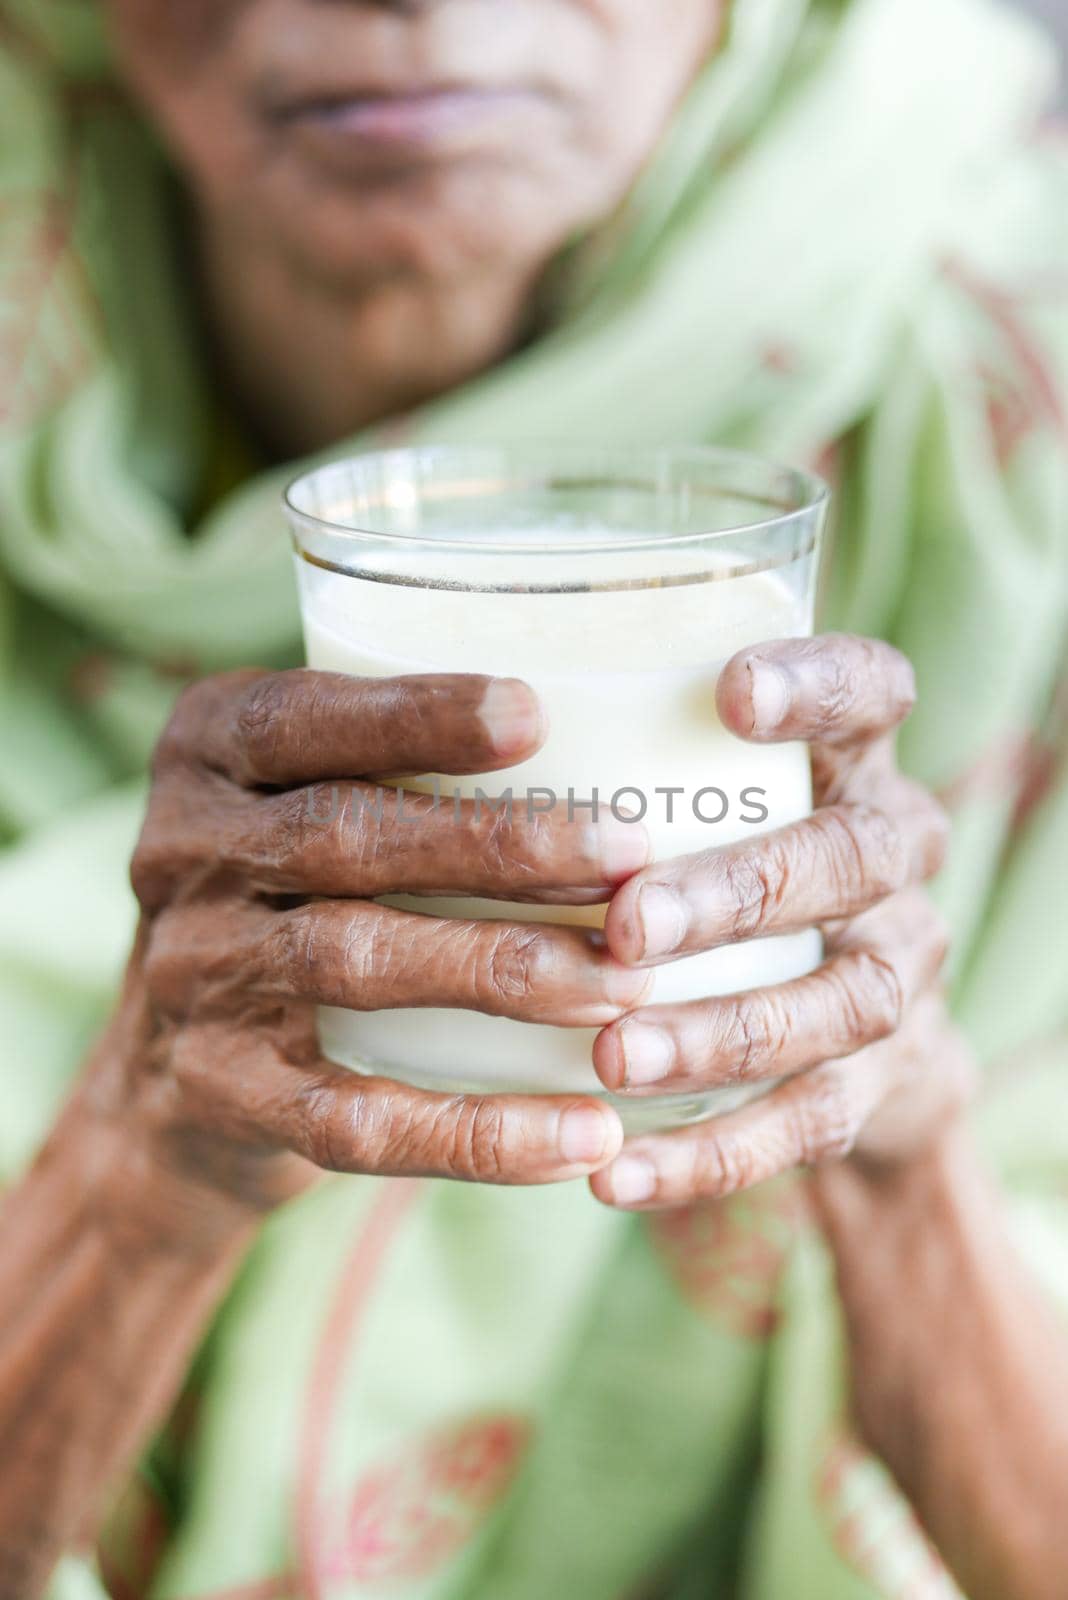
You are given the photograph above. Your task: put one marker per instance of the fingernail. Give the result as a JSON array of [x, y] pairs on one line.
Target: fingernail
[[512, 716], [585, 1136], [662, 919], [621, 847], [771, 693], [632, 1179], [648, 1053]]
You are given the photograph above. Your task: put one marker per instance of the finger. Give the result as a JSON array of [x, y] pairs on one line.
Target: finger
[[882, 962], [833, 864], [363, 839], [834, 689], [936, 1078], [804, 1122], [277, 729], [344, 1122], [368, 957]]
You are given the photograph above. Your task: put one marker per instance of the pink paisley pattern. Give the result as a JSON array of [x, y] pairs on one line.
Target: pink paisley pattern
[[337, 1346], [1010, 410], [727, 1258], [780, 357], [1045, 769], [44, 348], [1021, 767], [1033, 378], [1004, 769], [283, 1588], [828, 461], [410, 1513], [873, 1528], [49, 312]]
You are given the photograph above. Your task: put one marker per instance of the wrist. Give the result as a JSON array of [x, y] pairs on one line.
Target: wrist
[[890, 1228], [100, 1176], [942, 1160], [104, 1293], [151, 1179]]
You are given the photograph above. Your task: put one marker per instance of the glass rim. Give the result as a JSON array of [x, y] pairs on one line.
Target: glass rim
[[516, 463]]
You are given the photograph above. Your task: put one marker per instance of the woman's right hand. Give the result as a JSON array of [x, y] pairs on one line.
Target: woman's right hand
[[256, 908]]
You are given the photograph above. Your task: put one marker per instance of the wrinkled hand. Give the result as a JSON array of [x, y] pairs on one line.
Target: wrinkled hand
[[869, 1060], [256, 909]]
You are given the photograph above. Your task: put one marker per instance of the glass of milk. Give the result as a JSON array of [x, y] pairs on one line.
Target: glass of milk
[[617, 583]]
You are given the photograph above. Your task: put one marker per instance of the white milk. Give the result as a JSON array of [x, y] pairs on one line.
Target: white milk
[[627, 678]]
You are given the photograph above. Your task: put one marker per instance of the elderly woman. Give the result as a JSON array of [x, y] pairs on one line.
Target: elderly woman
[[236, 231]]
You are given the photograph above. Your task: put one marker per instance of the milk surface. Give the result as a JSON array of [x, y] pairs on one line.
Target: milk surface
[[627, 676]]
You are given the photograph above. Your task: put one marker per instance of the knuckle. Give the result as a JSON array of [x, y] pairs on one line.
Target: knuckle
[[727, 1167], [323, 1136], [257, 716], [190, 1080], [388, 1136], [879, 1005], [163, 961], [473, 1144], [296, 950], [826, 1117], [892, 675], [756, 1036], [510, 843], [290, 825], [372, 962], [836, 686], [412, 709], [178, 738], [348, 963], [149, 877], [514, 965], [305, 826], [844, 1008], [497, 842], [536, 840], [198, 706], [756, 881], [202, 959], [867, 855]]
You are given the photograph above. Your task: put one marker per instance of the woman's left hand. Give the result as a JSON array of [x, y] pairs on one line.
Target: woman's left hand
[[869, 1060]]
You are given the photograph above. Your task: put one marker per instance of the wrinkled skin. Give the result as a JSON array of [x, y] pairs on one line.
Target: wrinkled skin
[[376, 188], [245, 930], [255, 910], [233, 86], [871, 1062], [361, 249]]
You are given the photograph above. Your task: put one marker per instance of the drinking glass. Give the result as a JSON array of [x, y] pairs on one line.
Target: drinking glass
[[617, 583]]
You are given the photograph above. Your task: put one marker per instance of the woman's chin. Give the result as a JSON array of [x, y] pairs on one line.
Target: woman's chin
[[482, 211]]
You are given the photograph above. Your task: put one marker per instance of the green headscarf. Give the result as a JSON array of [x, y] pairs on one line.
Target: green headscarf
[[849, 250]]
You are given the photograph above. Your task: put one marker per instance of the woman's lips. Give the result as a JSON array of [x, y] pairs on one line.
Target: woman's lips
[[420, 124]]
